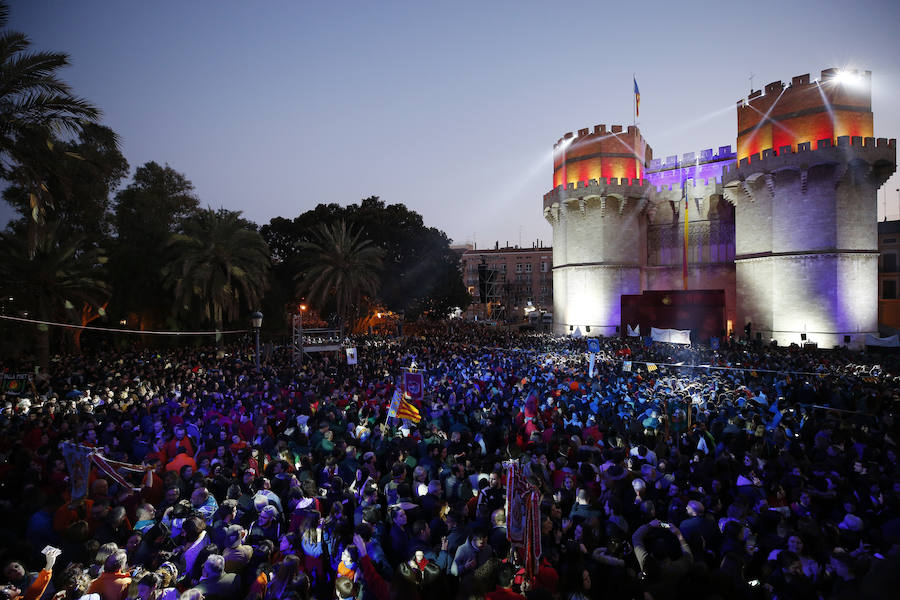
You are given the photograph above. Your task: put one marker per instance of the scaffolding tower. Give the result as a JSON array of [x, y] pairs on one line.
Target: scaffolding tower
[[319, 339], [489, 288]]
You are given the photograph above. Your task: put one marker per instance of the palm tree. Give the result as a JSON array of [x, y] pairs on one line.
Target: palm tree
[[338, 266], [53, 283], [218, 266], [34, 102]]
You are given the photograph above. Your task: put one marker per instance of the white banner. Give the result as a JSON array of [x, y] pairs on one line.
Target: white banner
[[671, 336], [633, 331], [351, 356]]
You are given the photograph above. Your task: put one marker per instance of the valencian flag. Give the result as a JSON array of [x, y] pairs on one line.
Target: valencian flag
[[637, 99], [407, 410]]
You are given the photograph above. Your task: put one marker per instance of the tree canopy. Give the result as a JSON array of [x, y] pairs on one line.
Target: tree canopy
[[217, 267], [152, 208], [420, 273], [338, 269]]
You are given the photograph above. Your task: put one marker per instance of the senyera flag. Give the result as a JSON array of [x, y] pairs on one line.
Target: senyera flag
[[637, 98], [407, 410]]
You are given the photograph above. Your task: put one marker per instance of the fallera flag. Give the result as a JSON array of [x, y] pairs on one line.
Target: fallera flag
[[414, 383]]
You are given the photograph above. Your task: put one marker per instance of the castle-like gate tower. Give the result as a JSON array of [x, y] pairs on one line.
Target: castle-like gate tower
[[804, 191], [786, 227], [596, 210]]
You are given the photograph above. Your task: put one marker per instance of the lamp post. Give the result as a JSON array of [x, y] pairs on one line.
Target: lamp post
[[300, 312], [256, 323]]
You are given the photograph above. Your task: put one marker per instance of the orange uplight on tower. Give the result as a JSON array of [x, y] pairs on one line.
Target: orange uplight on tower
[[613, 153], [839, 104]]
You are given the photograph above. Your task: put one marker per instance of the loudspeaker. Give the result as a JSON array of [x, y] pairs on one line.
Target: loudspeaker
[[758, 336], [571, 328], [617, 329], [803, 336], [846, 339], [587, 328]]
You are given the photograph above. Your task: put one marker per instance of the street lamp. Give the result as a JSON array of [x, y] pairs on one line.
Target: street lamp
[[256, 324], [302, 309]]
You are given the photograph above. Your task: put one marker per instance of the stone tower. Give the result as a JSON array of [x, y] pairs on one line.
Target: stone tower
[[804, 191], [596, 210]]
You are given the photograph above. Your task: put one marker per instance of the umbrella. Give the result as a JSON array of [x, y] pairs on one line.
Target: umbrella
[[74, 394]]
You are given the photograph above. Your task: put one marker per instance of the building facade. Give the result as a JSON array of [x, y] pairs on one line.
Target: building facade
[[508, 284], [784, 225]]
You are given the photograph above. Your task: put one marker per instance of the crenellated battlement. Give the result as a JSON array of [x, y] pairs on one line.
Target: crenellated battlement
[[875, 148], [691, 158], [604, 186], [831, 75], [598, 130]]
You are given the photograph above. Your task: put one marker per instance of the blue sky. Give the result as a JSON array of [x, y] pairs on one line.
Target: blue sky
[[452, 108]]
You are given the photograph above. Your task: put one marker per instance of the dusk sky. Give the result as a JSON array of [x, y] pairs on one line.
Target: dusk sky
[[451, 108]]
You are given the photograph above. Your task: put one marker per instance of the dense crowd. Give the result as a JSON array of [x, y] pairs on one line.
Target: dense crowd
[[672, 472]]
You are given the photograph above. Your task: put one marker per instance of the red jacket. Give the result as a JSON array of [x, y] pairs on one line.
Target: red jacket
[[111, 586], [503, 594]]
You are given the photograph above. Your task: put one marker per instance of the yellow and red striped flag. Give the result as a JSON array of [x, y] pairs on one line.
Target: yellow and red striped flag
[[407, 410]]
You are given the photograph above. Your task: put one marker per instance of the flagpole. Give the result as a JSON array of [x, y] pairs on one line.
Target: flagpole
[[684, 251], [684, 268], [633, 103]]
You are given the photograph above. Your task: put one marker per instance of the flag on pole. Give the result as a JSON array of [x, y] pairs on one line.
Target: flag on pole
[[395, 404], [684, 251], [414, 384], [407, 410], [637, 99]]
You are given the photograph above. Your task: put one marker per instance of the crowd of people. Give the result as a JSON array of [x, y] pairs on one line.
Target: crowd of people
[[667, 472]]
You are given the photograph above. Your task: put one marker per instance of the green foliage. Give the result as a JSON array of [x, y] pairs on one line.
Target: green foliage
[[76, 176], [53, 282], [217, 267], [420, 274], [148, 211], [35, 104], [338, 268]]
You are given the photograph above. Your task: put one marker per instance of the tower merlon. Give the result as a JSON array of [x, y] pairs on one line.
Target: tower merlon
[[776, 87]]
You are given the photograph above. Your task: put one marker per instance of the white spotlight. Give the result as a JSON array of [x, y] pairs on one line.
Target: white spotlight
[[848, 77]]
